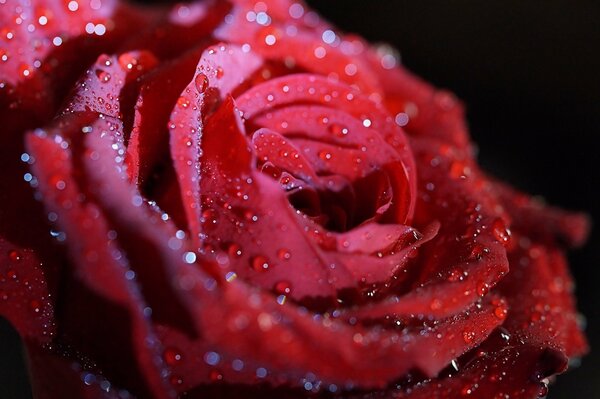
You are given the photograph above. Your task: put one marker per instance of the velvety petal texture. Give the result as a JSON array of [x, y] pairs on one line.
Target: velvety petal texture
[[234, 199]]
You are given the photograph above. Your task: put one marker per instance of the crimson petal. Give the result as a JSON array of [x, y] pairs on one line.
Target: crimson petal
[[100, 277], [186, 124]]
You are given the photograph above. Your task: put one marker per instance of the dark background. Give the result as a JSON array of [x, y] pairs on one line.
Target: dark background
[[529, 75]]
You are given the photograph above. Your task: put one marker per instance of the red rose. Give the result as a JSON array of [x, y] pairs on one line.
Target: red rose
[[244, 202]]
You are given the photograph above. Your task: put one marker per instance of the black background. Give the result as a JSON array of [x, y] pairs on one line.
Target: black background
[[529, 75]]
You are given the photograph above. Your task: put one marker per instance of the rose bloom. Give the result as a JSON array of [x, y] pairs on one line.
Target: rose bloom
[[232, 199]]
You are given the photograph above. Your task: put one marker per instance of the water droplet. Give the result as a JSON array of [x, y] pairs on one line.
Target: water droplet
[[183, 102], [338, 130], [456, 275], [283, 288], [14, 255], [320, 52], [73, 6], [401, 119], [435, 304], [250, 216], [103, 76], [296, 11], [468, 389], [201, 82], [127, 61], [284, 254], [478, 251], [220, 72], [500, 231], [175, 380], [261, 372], [483, 288], [212, 358], [454, 365], [259, 263], [325, 155], [25, 70], [500, 312], [171, 356], [35, 305], [468, 336], [459, 170], [215, 375]]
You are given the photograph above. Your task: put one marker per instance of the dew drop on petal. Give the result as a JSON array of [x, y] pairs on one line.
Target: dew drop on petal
[[103, 76], [270, 39], [468, 389], [175, 380], [543, 389], [325, 155], [459, 170], [14, 255], [401, 119], [35, 305], [482, 288], [183, 102], [73, 6], [259, 263], [25, 70], [215, 375], [284, 254], [212, 358], [500, 231], [456, 275], [338, 130], [127, 61], [283, 287], [468, 336], [501, 311], [234, 250], [478, 251], [435, 304], [201, 82], [171, 356]]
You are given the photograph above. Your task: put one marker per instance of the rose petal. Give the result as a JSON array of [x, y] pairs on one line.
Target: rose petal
[[540, 292], [238, 201], [48, 367], [255, 327], [186, 124], [24, 24], [24, 294], [178, 28], [317, 90], [415, 104], [110, 83], [542, 222], [99, 278], [159, 91], [141, 234], [467, 257], [312, 46]]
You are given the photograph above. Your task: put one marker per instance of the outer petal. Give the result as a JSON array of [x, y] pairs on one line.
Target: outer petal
[[100, 278]]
